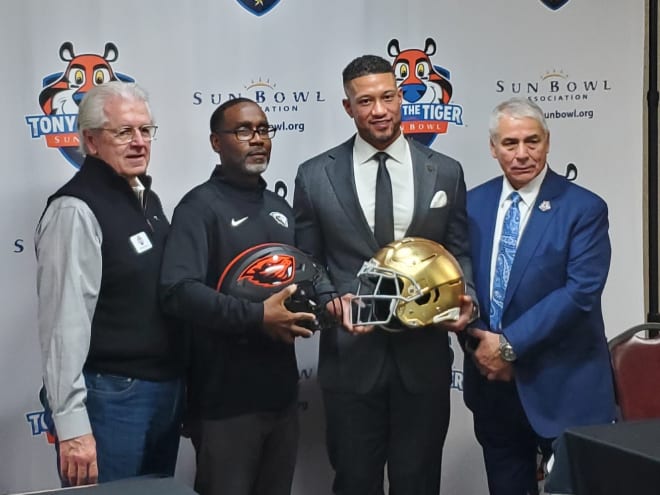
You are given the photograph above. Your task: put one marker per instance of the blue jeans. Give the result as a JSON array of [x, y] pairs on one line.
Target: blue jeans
[[136, 425]]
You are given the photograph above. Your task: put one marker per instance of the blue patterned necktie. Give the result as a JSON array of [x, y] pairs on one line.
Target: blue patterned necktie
[[505, 254]]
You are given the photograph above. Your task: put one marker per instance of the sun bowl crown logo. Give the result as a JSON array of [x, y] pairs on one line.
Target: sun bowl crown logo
[[258, 7], [426, 111], [62, 93]]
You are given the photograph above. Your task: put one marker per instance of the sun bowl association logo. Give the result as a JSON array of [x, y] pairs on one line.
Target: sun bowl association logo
[[561, 96], [283, 107], [426, 110], [62, 93], [258, 7]]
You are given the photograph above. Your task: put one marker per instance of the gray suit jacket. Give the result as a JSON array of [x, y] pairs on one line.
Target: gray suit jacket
[[331, 226]]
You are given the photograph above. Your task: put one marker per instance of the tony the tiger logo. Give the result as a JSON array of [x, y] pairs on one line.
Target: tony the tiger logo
[[270, 271], [38, 425], [62, 93], [426, 110]]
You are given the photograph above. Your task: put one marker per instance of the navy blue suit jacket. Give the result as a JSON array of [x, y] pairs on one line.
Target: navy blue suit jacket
[[552, 309]]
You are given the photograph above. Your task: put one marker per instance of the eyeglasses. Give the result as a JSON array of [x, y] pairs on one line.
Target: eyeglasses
[[246, 134], [126, 134]]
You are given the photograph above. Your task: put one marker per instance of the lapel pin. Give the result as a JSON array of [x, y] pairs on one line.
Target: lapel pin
[[545, 206]]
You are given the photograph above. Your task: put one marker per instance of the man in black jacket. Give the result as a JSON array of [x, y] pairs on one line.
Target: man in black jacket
[[242, 386], [112, 386]]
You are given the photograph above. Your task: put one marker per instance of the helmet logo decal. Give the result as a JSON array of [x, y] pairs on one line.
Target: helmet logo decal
[[270, 271]]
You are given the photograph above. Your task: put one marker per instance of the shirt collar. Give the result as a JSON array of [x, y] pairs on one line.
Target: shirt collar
[[528, 192], [137, 185], [364, 152]]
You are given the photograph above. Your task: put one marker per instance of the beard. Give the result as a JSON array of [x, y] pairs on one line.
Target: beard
[[255, 168]]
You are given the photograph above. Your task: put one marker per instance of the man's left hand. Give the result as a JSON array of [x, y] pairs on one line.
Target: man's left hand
[[487, 356], [340, 307], [464, 317]]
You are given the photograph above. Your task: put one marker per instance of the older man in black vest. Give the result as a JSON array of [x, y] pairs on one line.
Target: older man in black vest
[[112, 387]]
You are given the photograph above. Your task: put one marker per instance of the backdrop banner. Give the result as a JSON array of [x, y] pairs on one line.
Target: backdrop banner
[[581, 61]]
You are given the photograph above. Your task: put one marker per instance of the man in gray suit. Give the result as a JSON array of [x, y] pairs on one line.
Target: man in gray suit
[[386, 395]]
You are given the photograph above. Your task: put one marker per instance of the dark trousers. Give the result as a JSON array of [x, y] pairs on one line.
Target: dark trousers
[[510, 445], [250, 454], [386, 425]]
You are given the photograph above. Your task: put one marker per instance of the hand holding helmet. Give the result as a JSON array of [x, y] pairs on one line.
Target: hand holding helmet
[[280, 323], [285, 279], [340, 308]]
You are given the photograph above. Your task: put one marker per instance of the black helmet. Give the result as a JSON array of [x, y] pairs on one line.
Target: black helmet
[[260, 271]]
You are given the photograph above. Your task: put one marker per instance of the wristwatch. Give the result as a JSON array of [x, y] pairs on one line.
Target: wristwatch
[[506, 351]]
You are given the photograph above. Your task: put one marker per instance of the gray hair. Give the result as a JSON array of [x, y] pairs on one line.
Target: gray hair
[[91, 113], [517, 108]]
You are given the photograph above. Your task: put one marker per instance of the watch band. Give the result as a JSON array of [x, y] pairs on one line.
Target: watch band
[[506, 350]]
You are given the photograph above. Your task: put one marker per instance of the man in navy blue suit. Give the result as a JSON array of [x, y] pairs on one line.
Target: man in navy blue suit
[[537, 360]]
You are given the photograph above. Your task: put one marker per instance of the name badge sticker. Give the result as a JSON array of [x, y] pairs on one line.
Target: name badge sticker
[[140, 242]]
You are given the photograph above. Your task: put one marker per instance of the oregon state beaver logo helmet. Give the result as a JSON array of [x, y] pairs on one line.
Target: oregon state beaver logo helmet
[[409, 283], [259, 272]]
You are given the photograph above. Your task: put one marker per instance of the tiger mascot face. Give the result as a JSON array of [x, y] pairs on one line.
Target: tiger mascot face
[[421, 83], [63, 91], [419, 80]]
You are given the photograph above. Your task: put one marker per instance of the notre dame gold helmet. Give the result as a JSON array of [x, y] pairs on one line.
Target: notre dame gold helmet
[[409, 283]]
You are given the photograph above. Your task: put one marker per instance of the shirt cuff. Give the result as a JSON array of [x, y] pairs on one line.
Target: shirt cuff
[[72, 425]]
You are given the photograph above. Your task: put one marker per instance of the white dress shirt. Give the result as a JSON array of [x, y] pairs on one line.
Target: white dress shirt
[[399, 166]]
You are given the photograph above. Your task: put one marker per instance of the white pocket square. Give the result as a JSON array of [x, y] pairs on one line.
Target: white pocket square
[[439, 200]]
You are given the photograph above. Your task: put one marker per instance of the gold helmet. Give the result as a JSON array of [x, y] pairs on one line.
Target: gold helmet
[[409, 283]]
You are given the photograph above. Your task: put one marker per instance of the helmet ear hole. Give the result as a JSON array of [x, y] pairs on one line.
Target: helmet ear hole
[[422, 300]]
